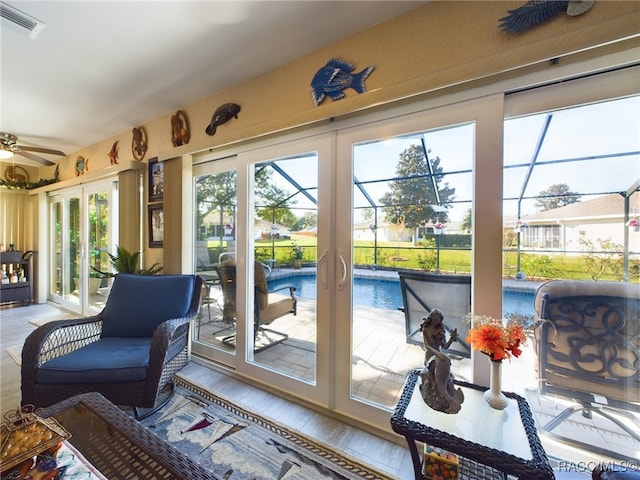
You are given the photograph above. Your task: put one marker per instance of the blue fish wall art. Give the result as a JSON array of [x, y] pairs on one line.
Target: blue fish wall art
[[223, 114], [336, 76]]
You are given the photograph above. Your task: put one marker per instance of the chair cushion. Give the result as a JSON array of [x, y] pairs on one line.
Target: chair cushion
[[137, 304], [276, 309], [262, 289], [108, 360]]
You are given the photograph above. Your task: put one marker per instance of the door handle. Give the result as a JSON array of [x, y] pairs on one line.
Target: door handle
[[342, 281], [322, 272]]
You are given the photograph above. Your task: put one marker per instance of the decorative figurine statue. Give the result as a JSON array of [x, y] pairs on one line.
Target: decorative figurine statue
[[438, 389]]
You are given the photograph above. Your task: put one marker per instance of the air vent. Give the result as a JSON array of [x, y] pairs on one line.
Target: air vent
[[19, 21]]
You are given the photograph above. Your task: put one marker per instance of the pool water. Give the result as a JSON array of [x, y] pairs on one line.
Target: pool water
[[386, 293]]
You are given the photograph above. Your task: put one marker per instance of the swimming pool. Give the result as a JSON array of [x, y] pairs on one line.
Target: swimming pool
[[386, 293]]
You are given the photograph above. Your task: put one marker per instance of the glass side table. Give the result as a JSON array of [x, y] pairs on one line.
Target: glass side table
[[491, 443]]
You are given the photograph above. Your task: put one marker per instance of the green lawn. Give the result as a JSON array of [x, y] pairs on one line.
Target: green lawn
[[403, 255]]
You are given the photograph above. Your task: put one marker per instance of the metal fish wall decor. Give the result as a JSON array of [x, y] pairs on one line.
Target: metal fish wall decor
[[535, 12], [336, 76]]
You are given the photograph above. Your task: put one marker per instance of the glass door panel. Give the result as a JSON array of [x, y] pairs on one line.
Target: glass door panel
[[215, 244], [65, 258], [56, 271], [283, 334], [411, 194], [99, 246], [261, 228], [413, 191], [82, 233]]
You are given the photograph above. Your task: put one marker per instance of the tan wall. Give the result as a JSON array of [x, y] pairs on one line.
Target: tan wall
[[421, 51], [435, 46]]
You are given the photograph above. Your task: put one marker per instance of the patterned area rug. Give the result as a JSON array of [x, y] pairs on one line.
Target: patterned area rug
[[237, 444]]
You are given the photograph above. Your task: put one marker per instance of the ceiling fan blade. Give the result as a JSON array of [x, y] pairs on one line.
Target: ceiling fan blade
[[41, 150], [35, 158]]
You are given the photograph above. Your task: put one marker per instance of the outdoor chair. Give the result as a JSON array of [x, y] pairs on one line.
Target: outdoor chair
[[128, 352], [451, 294], [267, 307], [203, 261], [587, 343]]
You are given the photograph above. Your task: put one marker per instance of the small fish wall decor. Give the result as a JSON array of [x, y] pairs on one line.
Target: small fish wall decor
[[534, 12], [82, 165], [223, 114], [336, 76], [113, 154], [139, 143], [180, 134]]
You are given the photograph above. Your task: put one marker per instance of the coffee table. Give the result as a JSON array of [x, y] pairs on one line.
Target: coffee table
[[491, 443], [117, 445]]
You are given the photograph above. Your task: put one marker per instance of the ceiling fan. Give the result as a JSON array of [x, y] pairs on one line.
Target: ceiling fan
[[8, 148]]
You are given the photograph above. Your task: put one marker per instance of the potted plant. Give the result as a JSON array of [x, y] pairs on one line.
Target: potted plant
[[126, 262], [296, 254]]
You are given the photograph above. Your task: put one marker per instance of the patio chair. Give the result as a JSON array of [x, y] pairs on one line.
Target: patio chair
[[451, 294], [203, 261], [128, 352], [587, 343], [266, 307]]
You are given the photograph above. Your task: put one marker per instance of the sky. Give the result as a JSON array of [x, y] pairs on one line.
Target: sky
[[576, 137]]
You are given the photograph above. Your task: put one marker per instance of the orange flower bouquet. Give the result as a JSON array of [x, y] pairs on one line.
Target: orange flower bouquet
[[497, 339]]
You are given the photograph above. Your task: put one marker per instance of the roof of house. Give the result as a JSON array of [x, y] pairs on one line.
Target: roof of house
[[606, 206]]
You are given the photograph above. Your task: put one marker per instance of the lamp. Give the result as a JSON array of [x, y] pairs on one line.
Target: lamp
[[5, 154]]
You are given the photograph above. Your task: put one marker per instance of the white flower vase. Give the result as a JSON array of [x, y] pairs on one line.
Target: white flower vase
[[494, 396]]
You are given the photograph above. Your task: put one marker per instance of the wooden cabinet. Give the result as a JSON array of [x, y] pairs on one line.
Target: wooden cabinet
[[15, 274]]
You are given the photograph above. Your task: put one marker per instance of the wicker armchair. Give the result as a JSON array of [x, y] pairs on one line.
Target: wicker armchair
[[587, 343], [128, 352]]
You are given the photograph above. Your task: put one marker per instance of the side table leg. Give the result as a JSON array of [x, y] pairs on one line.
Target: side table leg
[[415, 457]]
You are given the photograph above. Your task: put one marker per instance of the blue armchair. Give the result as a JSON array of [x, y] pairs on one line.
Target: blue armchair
[[128, 352]]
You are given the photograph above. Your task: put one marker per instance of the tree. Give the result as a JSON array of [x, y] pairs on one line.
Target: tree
[[217, 192], [556, 196], [412, 195], [466, 221]]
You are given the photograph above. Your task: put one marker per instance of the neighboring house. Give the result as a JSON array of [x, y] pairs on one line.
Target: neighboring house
[[597, 220], [265, 230]]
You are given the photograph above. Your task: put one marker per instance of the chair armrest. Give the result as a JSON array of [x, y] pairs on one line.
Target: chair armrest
[[168, 339], [52, 340], [291, 289], [59, 337]]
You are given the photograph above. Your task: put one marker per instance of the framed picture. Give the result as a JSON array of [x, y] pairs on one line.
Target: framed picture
[[156, 180], [156, 226]]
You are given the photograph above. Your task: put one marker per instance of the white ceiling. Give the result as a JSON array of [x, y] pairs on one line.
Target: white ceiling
[[99, 68]]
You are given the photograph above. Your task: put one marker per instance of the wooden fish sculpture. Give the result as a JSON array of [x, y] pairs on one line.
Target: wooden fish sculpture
[[139, 143], [113, 154], [223, 114], [179, 129], [336, 76]]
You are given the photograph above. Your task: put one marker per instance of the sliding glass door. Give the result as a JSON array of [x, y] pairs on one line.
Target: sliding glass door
[[329, 221], [82, 233], [262, 240], [409, 183]]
